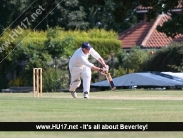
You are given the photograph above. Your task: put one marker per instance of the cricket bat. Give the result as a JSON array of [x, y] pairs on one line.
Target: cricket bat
[[110, 81]]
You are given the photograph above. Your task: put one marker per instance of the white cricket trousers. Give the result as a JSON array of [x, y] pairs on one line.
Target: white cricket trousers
[[76, 74]]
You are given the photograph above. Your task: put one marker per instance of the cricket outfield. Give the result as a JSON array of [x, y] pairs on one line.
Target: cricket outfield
[[107, 106]]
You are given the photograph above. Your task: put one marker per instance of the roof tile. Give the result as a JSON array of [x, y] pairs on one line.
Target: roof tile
[[145, 34]]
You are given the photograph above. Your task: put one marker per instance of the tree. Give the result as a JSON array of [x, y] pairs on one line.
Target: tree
[[40, 14], [122, 10], [70, 15], [83, 14], [101, 14], [171, 28], [5, 12], [132, 61], [56, 46], [166, 59]]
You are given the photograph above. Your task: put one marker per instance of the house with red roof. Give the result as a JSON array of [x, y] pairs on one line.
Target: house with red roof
[[145, 35]]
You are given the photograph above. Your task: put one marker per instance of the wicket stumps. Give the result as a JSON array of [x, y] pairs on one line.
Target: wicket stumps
[[37, 82]]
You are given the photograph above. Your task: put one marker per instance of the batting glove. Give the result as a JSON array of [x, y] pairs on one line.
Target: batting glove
[[102, 71], [106, 69]]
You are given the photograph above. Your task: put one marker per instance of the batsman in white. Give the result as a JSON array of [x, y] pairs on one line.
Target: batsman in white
[[79, 66]]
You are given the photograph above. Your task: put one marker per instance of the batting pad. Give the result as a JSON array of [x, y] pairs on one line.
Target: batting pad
[[74, 85]]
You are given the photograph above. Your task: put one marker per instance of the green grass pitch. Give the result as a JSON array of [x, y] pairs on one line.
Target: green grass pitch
[[107, 106]]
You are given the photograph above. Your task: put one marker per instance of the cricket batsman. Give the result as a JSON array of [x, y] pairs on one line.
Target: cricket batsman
[[79, 66]]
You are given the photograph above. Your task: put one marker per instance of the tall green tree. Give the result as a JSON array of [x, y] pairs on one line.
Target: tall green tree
[[101, 14], [7, 15], [39, 14], [171, 27], [84, 14], [122, 10]]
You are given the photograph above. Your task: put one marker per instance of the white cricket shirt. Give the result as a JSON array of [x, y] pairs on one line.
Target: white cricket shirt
[[79, 58]]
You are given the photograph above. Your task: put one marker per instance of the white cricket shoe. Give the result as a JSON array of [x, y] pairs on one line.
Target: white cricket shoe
[[74, 94], [85, 94]]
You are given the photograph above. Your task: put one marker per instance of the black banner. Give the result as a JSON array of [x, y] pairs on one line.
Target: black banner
[[91, 126]]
